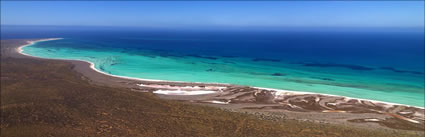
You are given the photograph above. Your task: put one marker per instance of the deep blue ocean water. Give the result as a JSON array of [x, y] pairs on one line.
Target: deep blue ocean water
[[379, 64]]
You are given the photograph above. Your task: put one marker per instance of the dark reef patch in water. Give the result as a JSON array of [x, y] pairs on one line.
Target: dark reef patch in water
[[114, 64], [278, 74], [150, 56], [204, 57], [326, 65], [263, 59], [400, 71], [209, 70], [165, 55], [327, 79]]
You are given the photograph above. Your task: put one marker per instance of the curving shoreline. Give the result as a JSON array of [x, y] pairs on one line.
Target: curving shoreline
[[20, 51], [272, 103], [92, 66]]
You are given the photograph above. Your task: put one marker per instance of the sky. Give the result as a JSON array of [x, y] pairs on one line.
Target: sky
[[215, 13]]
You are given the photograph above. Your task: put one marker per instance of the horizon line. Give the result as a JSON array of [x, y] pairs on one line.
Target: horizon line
[[211, 26]]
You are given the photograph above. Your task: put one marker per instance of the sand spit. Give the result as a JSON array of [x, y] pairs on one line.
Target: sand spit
[[31, 42]]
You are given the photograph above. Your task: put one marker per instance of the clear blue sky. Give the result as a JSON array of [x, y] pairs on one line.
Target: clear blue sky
[[216, 13]]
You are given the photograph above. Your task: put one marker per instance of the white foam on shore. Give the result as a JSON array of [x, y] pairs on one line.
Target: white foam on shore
[[92, 66], [184, 92]]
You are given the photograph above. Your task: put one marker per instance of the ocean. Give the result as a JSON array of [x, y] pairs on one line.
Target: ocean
[[378, 64]]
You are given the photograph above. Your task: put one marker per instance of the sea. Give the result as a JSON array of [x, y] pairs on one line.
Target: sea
[[383, 64]]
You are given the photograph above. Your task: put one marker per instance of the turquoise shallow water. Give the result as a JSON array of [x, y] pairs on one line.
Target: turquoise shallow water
[[378, 84]]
